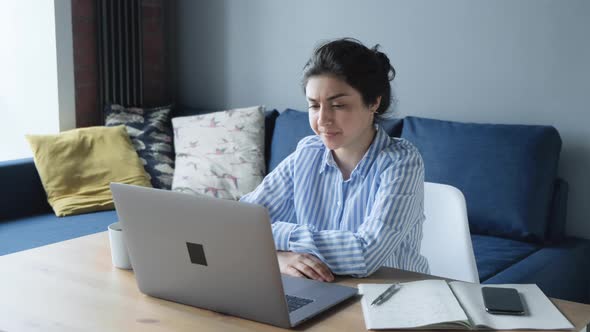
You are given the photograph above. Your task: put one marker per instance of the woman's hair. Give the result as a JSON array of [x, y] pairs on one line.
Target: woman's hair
[[366, 70]]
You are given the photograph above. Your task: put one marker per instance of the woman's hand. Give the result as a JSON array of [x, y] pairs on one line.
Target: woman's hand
[[303, 265]]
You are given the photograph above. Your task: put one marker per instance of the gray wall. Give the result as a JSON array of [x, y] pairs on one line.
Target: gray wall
[[504, 61]]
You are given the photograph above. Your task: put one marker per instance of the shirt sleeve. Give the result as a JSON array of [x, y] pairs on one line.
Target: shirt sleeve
[[276, 194], [397, 209]]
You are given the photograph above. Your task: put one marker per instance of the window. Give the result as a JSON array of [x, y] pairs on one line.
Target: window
[[36, 85]]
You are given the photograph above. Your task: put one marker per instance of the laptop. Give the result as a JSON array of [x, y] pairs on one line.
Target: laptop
[[215, 254]]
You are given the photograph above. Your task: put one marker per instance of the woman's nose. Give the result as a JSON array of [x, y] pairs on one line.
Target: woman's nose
[[324, 117]]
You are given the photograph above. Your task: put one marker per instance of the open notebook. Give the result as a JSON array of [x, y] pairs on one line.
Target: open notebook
[[438, 304]]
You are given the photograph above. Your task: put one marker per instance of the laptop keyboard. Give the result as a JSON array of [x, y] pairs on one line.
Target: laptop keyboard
[[295, 302]]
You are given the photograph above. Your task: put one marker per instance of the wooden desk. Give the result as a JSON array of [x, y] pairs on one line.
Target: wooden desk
[[72, 285]]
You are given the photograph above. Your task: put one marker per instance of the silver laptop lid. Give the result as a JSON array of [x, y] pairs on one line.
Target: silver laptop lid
[[178, 254]]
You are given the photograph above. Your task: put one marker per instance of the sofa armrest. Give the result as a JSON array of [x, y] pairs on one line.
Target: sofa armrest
[[558, 214], [561, 271], [21, 192]]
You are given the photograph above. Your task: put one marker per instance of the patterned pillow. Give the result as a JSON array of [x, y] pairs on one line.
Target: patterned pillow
[[151, 134], [219, 154]]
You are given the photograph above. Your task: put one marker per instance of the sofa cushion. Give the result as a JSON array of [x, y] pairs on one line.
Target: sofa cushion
[[26, 233], [393, 127], [494, 254], [270, 118], [506, 172], [76, 167], [150, 131], [292, 125], [220, 154]]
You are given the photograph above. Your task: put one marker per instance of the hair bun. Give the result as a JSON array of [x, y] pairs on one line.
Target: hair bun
[[384, 61]]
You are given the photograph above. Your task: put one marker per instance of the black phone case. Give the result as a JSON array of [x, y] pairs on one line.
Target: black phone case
[[502, 301]]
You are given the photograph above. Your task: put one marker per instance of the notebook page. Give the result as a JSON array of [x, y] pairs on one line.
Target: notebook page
[[540, 313], [415, 304]]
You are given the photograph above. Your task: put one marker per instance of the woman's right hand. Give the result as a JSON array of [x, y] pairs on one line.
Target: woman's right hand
[[303, 265]]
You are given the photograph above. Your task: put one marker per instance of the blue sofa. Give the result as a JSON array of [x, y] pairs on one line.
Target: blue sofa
[[516, 203]]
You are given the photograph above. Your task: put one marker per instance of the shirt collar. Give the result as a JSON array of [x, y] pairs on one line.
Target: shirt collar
[[327, 160], [379, 142]]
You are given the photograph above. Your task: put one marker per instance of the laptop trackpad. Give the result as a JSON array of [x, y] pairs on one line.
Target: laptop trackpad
[[322, 294], [301, 287]]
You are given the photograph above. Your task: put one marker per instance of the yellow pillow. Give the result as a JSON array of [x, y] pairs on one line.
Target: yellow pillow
[[76, 167]]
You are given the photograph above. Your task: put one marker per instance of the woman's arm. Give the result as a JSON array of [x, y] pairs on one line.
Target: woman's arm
[[397, 209], [276, 194]]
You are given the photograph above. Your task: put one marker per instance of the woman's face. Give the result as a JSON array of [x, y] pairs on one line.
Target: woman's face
[[338, 114]]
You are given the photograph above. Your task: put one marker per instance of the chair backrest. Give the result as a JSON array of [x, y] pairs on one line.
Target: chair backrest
[[446, 241]]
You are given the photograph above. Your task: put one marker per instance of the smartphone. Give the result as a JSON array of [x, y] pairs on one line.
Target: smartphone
[[502, 301]]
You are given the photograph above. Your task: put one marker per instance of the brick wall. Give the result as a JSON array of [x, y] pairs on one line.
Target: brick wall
[[155, 87], [155, 71], [84, 31]]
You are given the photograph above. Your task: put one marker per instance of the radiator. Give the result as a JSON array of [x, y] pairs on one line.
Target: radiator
[[120, 52]]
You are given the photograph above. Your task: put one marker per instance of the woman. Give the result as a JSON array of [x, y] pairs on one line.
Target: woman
[[350, 198]]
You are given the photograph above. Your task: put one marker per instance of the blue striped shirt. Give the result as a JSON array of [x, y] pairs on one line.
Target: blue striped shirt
[[373, 219]]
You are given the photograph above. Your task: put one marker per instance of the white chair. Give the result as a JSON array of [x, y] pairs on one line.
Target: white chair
[[446, 241]]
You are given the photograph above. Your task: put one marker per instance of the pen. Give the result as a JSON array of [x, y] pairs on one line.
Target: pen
[[386, 294]]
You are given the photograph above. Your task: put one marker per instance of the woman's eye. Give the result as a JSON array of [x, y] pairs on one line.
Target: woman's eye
[[337, 106], [313, 107]]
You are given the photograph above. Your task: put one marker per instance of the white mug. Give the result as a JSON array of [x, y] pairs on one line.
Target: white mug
[[119, 252]]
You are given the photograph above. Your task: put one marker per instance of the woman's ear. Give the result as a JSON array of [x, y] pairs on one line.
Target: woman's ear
[[374, 107]]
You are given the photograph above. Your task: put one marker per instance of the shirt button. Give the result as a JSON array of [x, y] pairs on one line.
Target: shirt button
[[338, 203]]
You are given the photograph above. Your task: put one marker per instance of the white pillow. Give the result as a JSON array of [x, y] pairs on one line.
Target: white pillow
[[219, 154]]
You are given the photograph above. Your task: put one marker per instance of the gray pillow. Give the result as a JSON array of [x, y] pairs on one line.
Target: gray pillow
[[150, 131]]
